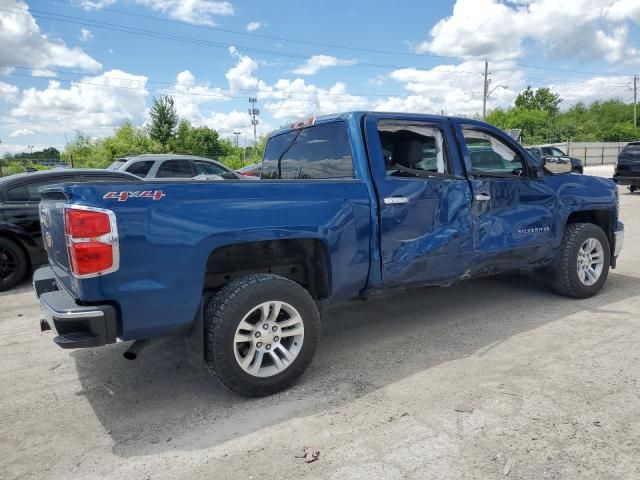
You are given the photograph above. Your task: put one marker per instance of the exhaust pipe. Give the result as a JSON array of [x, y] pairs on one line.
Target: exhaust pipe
[[134, 349]]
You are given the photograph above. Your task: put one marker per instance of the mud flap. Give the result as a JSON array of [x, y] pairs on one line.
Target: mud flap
[[195, 340]]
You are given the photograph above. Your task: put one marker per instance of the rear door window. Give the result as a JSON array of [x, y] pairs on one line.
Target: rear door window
[[318, 152], [412, 149], [141, 169], [29, 192], [207, 168], [175, 169]]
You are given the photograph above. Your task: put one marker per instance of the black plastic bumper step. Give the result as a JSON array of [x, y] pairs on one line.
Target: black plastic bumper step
[[78, 340]]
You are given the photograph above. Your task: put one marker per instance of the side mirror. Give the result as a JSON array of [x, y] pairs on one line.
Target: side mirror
[[557, 165], [538, 171], [228, 176]]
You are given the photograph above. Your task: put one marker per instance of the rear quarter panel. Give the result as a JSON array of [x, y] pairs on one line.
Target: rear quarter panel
[[165, 243]]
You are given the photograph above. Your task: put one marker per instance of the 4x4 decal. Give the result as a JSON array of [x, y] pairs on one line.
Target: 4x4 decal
[[124, 196]]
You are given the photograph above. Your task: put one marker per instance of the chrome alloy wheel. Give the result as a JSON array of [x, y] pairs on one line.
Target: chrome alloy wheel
[[268, 339], [590, 261]]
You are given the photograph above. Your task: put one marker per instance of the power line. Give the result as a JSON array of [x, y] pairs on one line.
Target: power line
[[174, 84], [260, 35], [331, 45], [179, 38], [223, 92], [155, 34]]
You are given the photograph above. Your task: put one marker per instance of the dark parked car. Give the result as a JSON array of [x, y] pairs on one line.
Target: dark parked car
[[169, 166], [628, 166], [551, 155], [21, 244]]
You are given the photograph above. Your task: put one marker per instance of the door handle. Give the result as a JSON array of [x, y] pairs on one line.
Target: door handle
[[395, 200], [482, 197]]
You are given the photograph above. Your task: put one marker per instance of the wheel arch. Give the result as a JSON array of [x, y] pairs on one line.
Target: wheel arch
[[303, 260], [605, 219]]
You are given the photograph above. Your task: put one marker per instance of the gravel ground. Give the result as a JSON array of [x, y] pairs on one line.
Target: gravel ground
[[553, 385]]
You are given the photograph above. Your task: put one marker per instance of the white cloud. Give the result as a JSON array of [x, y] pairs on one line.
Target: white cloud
[[227, 123], [39, 72], [577, 29], [623, 9], [199, 12], [22, 43], [294, 99], [21, 132], [377, 80], [91, 104], [241, 76], [597, 88], [85, 35], [189, 95], [8, 92], [96, 4], [317, 62], [454, 89], [289, 99], [253, 26]]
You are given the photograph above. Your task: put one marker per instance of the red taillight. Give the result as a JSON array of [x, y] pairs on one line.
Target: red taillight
[[91, 240], [90, 257], [86, 223]]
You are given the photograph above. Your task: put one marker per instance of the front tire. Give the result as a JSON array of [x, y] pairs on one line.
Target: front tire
[[13, 264], [581, 264], [262, 331]]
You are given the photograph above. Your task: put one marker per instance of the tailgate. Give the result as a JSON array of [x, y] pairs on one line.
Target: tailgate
[[53, 237]]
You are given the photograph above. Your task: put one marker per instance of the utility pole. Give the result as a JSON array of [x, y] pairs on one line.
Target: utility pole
[[237, 134], [635, 101], [485, 93], [253, 113]]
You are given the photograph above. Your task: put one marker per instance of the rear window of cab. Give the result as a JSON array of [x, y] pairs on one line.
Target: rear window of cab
[[319, 152]]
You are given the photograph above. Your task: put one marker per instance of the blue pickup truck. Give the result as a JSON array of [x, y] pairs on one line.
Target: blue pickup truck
[[347, 206]]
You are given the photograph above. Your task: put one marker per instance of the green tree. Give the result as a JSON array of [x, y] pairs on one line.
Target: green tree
[[164, 120], [540, 99], [201, 141], [533, 123]]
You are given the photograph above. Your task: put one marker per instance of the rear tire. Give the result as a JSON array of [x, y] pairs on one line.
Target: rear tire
[[581, 264], [632, 188], [262, 331], [13, 264]]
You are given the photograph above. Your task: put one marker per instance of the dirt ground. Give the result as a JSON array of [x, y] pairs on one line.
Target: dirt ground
[[553, 384]]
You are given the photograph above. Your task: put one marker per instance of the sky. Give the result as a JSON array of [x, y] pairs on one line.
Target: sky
[[90, 65]]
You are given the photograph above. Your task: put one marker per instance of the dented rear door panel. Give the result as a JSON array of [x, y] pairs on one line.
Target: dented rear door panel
[[428, 239]]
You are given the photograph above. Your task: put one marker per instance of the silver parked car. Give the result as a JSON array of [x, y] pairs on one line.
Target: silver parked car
[[171, 166]]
